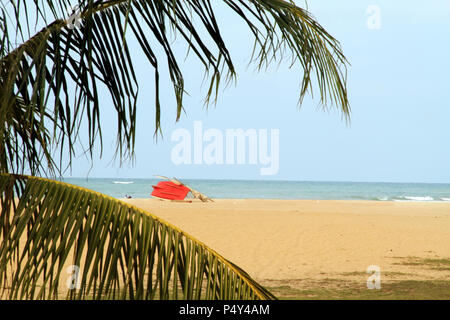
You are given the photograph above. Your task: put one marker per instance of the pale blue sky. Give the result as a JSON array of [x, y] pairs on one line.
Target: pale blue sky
[[399, 92]]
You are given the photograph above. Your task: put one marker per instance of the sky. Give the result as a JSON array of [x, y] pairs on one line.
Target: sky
[[398, 88]]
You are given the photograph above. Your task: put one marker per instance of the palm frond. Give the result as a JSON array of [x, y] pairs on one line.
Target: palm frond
[[57, 73], [122, 252]]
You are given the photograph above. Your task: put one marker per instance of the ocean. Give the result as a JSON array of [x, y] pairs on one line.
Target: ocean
[[240, 189]]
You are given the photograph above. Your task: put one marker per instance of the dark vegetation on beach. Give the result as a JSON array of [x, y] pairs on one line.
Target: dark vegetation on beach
[[394, 285], [334, 289]]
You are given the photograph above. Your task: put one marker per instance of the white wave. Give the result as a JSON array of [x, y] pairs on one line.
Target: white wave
[[419, 198], [445, 199], [123, 182], [383, 198]]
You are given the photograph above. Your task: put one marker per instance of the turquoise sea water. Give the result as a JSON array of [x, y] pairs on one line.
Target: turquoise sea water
[[226, 189]]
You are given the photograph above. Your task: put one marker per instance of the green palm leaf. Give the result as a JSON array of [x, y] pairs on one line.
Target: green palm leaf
[[51, 80], [122, 251]]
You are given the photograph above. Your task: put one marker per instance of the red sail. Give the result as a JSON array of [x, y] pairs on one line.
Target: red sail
[[169, 190]]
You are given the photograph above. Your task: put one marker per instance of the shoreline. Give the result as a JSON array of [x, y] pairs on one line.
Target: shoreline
[[293, 199]]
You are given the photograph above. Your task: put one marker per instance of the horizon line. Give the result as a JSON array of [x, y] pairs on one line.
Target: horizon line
[[258, 180]]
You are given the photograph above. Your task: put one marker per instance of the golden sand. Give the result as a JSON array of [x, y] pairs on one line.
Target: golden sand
[[310, 239]]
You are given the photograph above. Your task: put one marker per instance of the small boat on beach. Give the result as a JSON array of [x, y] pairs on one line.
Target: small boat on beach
[[175, 190]]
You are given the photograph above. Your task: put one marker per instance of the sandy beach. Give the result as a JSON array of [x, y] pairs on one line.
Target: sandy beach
[[298, 240]]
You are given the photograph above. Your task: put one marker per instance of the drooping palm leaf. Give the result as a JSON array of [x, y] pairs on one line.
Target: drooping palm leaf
[[122, 251], [55, 75]]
